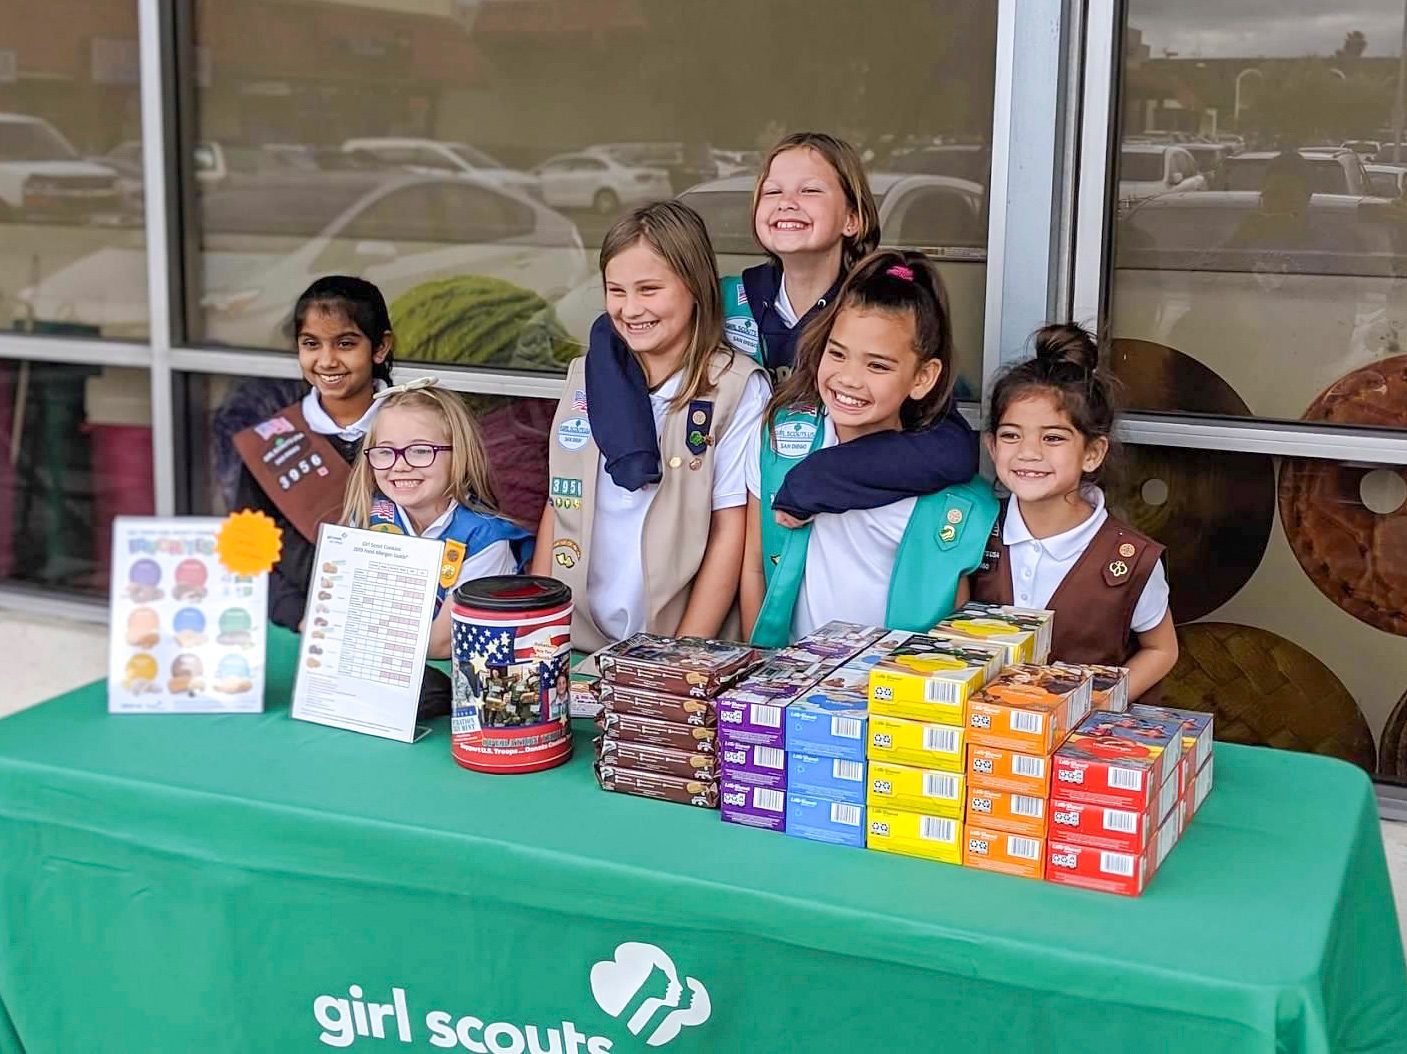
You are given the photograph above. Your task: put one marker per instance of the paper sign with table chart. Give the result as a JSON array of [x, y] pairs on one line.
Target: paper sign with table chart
[[371, 600]]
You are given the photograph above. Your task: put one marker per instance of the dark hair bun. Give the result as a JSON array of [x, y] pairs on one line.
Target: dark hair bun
[[1065, 342]]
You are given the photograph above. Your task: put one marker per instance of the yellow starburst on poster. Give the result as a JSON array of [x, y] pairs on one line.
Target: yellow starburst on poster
[[249, 543]]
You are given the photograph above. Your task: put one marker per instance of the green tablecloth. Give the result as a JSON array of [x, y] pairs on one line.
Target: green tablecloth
[[198, 883]]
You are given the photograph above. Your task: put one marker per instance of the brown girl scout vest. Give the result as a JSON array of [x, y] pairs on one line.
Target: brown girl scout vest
[[300, 470], [1095, 601], [678, 519]]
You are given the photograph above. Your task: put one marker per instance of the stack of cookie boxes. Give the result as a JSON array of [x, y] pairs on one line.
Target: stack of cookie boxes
[[753, 725], [658, 720], [1125, 787], [915, 788]]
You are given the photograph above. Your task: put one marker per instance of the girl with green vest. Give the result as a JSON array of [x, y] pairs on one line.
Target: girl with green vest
[[645, 518], [878, 360]]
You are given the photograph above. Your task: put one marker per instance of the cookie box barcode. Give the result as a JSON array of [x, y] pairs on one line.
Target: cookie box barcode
[[917, 743], [1008, 811], [752, 806], [1008, 770], [1070, 864], [754, 764], [828, 725], [988, 849], [1099, 826], [821, 819], [908, 787], [839, 779], [914, 834]]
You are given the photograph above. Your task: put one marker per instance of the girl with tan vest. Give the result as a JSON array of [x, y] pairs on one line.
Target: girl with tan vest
[[1056, 545], [645, 515]]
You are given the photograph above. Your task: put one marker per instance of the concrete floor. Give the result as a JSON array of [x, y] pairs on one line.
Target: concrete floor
[[62, 654]]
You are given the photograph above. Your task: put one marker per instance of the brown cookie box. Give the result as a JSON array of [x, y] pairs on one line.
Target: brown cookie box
[[693, 739], [642, 757], [702, 793], [682, 666], [680, 710]]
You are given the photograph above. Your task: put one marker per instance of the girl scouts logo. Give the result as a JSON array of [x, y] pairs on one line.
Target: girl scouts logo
[[793, 439], [574, 433], [741, 332]]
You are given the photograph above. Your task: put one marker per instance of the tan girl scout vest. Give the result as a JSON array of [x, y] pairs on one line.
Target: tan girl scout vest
[[678, 519]]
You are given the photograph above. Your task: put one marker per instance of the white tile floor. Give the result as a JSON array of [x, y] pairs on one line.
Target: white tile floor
[[62, 654]]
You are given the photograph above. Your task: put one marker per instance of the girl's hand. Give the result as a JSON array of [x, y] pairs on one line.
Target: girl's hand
[[789, 521]]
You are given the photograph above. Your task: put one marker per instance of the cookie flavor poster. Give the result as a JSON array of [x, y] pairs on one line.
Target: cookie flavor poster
[[186, 636]]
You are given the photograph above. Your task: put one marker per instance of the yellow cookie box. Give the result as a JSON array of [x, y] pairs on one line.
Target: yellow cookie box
[[1020, 644], [928, 746], [928, 791], [931, 678], [914, 834]]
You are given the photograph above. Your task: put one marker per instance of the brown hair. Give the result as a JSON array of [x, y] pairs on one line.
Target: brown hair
[[471, 479], [678, 235], [893, 281], [1065, 368], [850, 171]]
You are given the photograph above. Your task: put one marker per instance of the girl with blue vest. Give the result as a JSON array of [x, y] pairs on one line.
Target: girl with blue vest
[[877, 362], [424, 472], [814, 216]]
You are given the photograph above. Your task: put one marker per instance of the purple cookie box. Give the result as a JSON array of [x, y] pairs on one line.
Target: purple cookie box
[[739, 764], [741, 804]]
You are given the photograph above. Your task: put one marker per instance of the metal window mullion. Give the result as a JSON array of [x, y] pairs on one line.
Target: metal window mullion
[[1096, 131], [156, 78], [76, 352]]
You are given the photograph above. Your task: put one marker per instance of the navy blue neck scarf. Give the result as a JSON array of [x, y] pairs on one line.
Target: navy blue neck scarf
[[618, 407]]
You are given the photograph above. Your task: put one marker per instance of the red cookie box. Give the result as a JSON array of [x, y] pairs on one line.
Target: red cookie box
[[1107, 871], [1106, 827], [1196, 729], [1198, 788], [1117, 760]]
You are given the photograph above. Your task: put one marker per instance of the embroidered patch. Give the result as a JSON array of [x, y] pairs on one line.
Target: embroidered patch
[[1118, 569], [387, 528], [574, 433], [451, 562], [742, 334], [793, 439], [579, 401], [948, 533], [566, 492], [700, 425], [272, 427], [565, 552]]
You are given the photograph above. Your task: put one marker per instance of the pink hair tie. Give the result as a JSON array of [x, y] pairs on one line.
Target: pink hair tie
[[900, 271]]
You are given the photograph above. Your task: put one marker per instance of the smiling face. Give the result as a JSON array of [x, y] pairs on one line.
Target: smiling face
[[423, 493], [650, 307], [1039, 453], [336, 358], [869, 368], [801, 207]]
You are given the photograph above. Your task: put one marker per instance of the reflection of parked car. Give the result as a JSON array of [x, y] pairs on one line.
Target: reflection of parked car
[[1147, 170], [1328, 170], [1301, 291], [685, 163], [1362, 147], [432, 157], [1387, 181], [266, 240], [599, 181], [1209, 157], [963, 160], [43, 178]]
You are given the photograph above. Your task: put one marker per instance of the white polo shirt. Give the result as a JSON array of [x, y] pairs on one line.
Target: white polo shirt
[[849, 559], [321, 422], [615, 577], [1039, 565], [494, 559]]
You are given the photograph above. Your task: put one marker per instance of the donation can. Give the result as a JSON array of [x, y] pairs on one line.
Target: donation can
[[511, 653]]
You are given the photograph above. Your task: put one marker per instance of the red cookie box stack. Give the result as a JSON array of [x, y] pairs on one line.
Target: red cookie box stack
[[658, 721], [1117, 803]]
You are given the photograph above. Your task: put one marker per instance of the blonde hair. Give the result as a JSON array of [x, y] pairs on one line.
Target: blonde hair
[[850, 171], [678, 235], [471, 479]]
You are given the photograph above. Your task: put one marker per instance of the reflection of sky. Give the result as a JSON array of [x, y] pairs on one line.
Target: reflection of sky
[[1241, 28]]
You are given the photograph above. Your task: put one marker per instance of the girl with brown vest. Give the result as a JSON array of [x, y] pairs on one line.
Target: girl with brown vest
[[1055, 545], [646, 524]]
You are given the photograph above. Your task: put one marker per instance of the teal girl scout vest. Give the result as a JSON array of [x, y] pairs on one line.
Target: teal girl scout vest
[[944, 540]]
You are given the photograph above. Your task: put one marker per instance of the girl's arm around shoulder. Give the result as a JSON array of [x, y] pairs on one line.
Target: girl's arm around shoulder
[[1155, 658], [716, 585]]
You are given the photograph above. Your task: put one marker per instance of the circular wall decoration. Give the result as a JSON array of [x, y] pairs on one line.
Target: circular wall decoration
[[1347, 524], [1392, 752], [1266, 691], [1212, 509]]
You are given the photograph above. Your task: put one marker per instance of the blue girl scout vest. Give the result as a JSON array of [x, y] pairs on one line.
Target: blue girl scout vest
[[467, 533], [943, 541]]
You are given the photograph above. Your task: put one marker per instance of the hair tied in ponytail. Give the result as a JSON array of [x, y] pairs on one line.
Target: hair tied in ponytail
[[1066, 344]]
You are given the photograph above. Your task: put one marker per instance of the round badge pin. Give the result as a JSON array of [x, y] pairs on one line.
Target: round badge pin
[[695, 464], [699, 417], [1126, 550], [675, 461], [955, 516]]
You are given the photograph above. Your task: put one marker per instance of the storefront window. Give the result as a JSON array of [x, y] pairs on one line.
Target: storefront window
[[1260, 231], [467, 157], [75, 451], [72, 242]]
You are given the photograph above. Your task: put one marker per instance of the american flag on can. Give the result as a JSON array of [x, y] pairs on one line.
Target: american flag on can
[[504, 646], [579, 401]]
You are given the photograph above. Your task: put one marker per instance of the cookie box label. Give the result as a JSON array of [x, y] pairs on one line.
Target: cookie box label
[[680, 666], [1004, 852], [1019, 645], [752, 806], [681, 710], [1099, 826], [1196, 729], [1101, 870], [1007, 810], [700, 793], [930, 678], [751, 763], [1011, 770], [917, 743], [1118, 760], [914, 834], [828, 725], [1110, 685], [1039, 622], [836, 640], [690, 738], [833, 778], [921, 790], [821, 819], [642, 757]]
